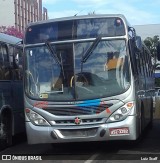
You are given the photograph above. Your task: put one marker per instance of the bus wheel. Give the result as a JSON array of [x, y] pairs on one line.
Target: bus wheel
[[5, 133]]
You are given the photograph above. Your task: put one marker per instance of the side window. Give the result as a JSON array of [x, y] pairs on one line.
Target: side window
[[20, 53], [1, 63], [137, 55], [17, 71], [149, 65], [146, 62], [11, 53], [141, 65], [5, 53], [1, 55], [133, 57], [4, 63]]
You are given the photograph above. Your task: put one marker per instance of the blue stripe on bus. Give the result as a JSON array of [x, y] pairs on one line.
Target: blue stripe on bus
[[90, 103]]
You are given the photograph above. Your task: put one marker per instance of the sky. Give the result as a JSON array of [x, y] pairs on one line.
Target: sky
[[137, 12]]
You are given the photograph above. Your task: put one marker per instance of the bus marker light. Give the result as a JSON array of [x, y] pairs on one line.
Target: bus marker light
[[108, 111], [119, 131], [129, 105]]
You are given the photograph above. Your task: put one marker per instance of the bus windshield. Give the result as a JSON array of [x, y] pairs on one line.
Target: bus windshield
[[78, 75], [75, 29]]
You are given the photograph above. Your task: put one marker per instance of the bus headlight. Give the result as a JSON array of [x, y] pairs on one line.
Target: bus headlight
[[121, 113], [35, 118]]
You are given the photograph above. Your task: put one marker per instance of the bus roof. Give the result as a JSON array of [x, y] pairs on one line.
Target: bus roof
[[78, 17], [9, 39]]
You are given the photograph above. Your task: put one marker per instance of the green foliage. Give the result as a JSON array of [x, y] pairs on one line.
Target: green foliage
[[152, 43], [11, 30]]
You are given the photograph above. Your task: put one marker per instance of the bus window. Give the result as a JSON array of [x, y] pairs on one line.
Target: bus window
[[5, 53], [17, 71], [1, 63], [4, 63]]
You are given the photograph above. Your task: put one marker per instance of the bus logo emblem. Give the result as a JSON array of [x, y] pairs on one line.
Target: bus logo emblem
[[77, 120]]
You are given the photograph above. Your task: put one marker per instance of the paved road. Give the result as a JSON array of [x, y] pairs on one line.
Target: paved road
[[147, 148]]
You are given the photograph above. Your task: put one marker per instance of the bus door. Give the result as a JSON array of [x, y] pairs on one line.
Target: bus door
[[17, 87], [5, 76]]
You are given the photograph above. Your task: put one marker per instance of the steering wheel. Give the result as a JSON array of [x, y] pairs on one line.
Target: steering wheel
[[80, 80]]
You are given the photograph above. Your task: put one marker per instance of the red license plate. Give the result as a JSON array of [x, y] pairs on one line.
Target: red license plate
[[119, 131]]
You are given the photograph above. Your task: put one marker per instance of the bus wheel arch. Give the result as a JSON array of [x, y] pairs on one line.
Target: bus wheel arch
[[6, 127]]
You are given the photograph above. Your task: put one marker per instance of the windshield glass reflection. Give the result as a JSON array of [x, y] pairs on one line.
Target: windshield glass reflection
[[104, 73]]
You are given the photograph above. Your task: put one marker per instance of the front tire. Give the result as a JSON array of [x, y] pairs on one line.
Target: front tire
[[5, 132]]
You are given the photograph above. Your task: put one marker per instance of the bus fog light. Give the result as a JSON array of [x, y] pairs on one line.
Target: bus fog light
[[117, 117]]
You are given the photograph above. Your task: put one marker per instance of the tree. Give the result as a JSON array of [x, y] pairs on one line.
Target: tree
[[152, 43], [11, 30]]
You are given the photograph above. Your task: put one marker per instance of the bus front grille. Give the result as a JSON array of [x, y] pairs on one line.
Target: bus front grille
[[83, 121], [76, 111]]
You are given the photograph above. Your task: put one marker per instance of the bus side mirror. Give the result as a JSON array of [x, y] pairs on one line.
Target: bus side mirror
[[138, 43], [158, 51]]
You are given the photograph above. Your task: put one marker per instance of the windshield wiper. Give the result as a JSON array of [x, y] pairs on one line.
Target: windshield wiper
[[52, 52], [90, 50], [54, 55]]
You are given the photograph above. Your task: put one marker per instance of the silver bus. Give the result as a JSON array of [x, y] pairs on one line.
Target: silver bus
[[11, 89], [86, 78]]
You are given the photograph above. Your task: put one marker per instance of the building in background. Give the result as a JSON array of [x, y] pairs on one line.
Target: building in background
[[147, 30], [19, 13]]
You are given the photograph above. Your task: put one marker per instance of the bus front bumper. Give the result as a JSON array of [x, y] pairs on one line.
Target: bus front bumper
[[123, 130]]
